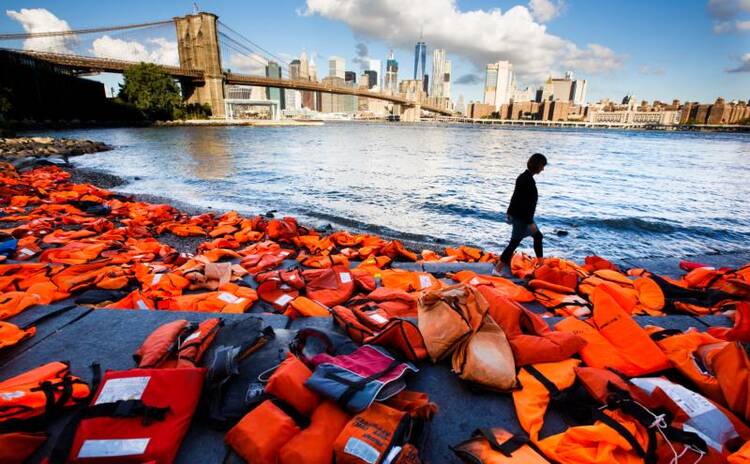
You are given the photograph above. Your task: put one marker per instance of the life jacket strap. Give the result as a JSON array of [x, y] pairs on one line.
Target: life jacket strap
[[352, 387], [128, 408], [508, 447]]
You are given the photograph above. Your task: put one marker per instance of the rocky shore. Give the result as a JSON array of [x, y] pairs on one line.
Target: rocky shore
[[21, 148]]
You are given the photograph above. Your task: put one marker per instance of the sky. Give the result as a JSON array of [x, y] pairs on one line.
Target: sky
[[694, 50]]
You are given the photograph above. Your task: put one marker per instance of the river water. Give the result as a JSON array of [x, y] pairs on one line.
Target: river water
[[618, 194]]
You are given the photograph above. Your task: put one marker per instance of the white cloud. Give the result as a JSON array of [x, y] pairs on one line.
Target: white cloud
[[35, 20], [482, 36], [159, 50], [651, 70], [729, 15], [546, 10], [744, 65], [253, 64]]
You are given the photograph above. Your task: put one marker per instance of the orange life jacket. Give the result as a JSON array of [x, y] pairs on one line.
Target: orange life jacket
[[688, 354], [558, 299], [448, 316], [305, 307], [376, 328], [408, 281], [331, 286], [497, 446], [11, 334], [314, 444], [230, 298], [12, 303], [369, 437], [259, 436], [530, 337], [42, 391], [614, 339], [177, 344], [613, 437], [288, 384], [508, 287]]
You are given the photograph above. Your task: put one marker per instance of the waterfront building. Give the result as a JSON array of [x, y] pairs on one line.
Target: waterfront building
[[304, 66], [524, 95], [580, 86], [350, 76], [294, 70], [420, 60], [478, 110], [374, 65], [336, 67], [293, 99], [498, 83], [273, 70], [438, 72], [460, 106], [390, 83], [371, 78]]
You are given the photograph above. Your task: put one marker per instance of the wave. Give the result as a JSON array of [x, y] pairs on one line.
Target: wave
[[647, 226]]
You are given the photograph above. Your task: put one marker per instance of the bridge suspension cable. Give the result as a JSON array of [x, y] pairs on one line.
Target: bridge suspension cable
[[34, 35], [247, 51], [253, 44]]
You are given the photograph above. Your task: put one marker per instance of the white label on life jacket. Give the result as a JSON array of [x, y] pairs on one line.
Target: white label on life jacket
[[156, 279], [424, 281], [377, 318], [227, 297], [362, 450], [129, 388], [283, 300], [8, 396], [112, 448], [345, 277], [26, 251], [141, 304], [474, 281], [192, 336], [692, 403]]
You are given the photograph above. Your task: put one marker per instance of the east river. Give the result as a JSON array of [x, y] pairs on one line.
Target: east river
[[616, 193]]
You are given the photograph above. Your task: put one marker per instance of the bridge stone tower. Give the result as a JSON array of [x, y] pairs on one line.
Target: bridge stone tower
[[198, 47]]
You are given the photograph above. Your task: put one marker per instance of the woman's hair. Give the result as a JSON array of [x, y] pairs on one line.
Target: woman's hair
[[536, 162]]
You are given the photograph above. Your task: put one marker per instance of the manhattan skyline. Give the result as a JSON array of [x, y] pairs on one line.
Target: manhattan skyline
[[695, 50]]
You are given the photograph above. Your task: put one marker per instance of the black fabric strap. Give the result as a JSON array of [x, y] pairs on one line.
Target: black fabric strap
[[128, 408], [547, 383], [352, 387], [662, 334], [508, 447]]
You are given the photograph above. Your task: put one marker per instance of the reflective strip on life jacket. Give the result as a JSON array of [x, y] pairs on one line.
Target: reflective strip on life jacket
[[138, 415]]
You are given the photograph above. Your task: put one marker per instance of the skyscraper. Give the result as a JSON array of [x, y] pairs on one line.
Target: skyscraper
[[304, 66], [375, 65], [336, 67], [448, 68], [350, 76], [498, 83], [420, 60], [272, 93], [294, 69], [372, 78], [438, 68], [390, 83]]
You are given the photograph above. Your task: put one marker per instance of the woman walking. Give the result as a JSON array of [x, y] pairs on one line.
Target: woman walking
[[521, 211]]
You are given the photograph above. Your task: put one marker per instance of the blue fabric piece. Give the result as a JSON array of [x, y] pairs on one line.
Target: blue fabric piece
[[8, 246]]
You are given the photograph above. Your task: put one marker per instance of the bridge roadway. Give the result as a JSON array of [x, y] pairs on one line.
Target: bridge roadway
[[89, 64]]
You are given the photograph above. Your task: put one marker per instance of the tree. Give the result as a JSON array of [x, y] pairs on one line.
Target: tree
[[151, 90]]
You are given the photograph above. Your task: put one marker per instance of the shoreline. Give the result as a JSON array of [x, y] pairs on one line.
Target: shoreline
[[108, 180]]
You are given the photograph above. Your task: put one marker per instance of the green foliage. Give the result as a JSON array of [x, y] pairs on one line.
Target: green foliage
[[192, 111], [151, 90]]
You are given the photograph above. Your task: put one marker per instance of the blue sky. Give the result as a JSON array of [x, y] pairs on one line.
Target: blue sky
[[654, 49]]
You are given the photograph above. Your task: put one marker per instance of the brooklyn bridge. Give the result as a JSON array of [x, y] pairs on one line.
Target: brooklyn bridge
[[201, 74]]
